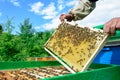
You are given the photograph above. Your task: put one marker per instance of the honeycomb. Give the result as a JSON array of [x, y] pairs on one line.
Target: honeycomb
[[75, 46], [33, 73]]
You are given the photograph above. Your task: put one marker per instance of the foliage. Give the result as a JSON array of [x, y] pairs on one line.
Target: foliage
[[27, 43]]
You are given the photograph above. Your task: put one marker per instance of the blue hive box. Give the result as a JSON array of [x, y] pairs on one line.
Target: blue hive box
[[110, 54]]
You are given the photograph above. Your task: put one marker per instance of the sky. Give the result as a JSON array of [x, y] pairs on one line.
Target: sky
[[44, 14]]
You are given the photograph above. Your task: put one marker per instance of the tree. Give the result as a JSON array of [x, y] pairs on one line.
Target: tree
[[8, 27], [26, 29], [1, 29]]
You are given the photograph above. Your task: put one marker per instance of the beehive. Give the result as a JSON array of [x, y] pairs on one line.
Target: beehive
[[75, 47], [33, 73]]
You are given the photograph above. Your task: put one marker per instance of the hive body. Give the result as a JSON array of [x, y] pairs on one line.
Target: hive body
[[33, 73], [74, 46]]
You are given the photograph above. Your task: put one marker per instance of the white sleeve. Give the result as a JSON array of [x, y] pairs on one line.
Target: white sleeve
[[82, 9]]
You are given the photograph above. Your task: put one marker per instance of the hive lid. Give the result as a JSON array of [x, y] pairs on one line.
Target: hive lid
[[75, 47]]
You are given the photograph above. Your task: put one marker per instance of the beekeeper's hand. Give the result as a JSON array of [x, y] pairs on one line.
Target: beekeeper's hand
[[112, 25], [68, 17]]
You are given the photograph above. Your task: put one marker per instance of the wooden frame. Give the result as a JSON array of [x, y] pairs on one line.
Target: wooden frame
[[75, 47]]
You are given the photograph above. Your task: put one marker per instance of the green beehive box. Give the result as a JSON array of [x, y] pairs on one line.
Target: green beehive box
[[101, 72], [95, 72]]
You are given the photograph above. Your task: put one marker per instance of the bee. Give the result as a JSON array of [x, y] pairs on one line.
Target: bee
[[88, 50], [59, 52], [80, 55], [73, 54], [82, 65], [91, 46], [84, 59], [72, 67], [89, 54], [77, 70], [79, 61]]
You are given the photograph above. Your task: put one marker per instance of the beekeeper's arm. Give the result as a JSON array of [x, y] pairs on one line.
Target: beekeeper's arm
[[80, 11]]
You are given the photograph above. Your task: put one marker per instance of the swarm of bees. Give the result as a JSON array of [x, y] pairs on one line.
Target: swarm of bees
[[76, 46], [33, 73]]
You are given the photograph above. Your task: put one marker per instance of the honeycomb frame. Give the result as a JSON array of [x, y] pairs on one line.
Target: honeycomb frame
[[75, 47]]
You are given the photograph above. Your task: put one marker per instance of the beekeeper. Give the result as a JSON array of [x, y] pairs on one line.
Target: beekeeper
[[84, 8]]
